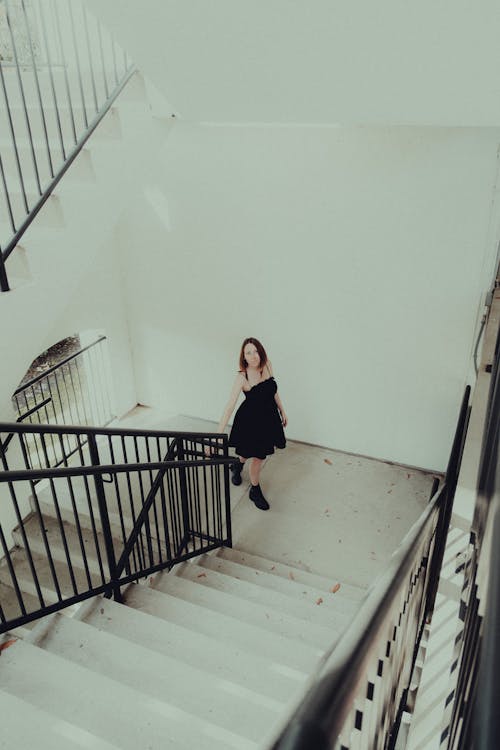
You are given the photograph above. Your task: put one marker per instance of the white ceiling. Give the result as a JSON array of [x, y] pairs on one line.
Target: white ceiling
[[431, 62]]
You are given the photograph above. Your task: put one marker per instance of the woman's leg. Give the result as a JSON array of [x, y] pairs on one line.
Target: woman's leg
[[255, 468], [236, 470], [255, 493]]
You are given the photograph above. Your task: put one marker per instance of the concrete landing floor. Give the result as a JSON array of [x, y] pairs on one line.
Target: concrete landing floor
[[335, 514]]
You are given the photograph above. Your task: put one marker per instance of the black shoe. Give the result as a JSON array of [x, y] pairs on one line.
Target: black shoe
[[258, 498], [236, 470]]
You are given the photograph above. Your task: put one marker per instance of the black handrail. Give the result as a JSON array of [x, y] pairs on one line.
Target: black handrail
[[168, 520], [319, 719]]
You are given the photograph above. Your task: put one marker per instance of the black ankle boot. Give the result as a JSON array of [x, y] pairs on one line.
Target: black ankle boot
[[258, 498], [236, 470]]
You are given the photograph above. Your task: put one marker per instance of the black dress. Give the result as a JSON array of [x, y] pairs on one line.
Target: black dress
[[257, 428]]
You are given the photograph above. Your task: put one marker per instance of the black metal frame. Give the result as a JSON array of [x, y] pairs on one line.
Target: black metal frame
[[365, 679], [73, 389], [165, 502]]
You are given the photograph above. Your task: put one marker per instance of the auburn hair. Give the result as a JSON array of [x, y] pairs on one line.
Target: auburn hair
[[260, 350]]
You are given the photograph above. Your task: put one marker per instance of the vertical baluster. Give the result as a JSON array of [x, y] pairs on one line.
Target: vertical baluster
[[166, 534], [78, 65], [146, 520], [82, 389], [7, 196], [12, 573], [13, 140], [113, 51], [140, 544], [89, 50], [155, 510], [60, 521], [120, 507], [41, 524], [52, 83], [23, 99], [55, 13], [105, 80], [77, 519], [37, 86], [92, 516]]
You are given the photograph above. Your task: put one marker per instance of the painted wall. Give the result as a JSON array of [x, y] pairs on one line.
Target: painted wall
[[360, 257], [354, 62]]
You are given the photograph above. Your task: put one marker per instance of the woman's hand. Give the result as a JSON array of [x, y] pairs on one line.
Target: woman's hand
[[284, 419]]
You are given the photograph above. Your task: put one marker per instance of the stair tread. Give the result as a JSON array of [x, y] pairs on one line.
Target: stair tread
[[343, 607], [222, 659], [55, 540], [221, 701], [283, 570], [45, 577], [41, 729], [308, 608], [105, 707], [268, 617], [278, 649]]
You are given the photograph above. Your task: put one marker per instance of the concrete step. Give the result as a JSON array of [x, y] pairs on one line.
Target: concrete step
[[82, 579], [95, 554], [297, 574], [283, 652], [10, 605], [212, 699], [300, 602], [26, 726], [104, 707], [216, 657], [344, 607], [230, 599]]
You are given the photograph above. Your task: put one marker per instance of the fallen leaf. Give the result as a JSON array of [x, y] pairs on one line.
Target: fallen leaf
[[408, 476], [335, 588], [8, 643], [319, 601], [102, 610], [274, 566], [201, 575], [327, 461], [291, 575]]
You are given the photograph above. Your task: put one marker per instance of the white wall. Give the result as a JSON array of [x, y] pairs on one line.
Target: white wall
[[358, 256], [356, 62]]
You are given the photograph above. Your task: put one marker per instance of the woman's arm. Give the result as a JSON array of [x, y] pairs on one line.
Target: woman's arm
[[235, 392], [279, 404]]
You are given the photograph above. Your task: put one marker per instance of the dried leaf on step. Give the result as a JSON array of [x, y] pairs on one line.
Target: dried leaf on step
[[201, 575], [274, 566], [319, 601], [327, 461], [8, 643], [335, 588], [291, 575]]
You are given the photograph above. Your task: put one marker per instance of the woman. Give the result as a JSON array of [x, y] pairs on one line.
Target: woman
[[258, 423]]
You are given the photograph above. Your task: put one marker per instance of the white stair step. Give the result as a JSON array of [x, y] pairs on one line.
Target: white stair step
[[309, 607], [199, 591], [104, 707], [283, 571], [343, 607], [10, 605], [54, 537], [219, 701], [279, 649], [221, 659], [26, 726], [46, 582]]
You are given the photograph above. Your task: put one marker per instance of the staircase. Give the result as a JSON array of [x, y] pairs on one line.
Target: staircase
[[214, 654]]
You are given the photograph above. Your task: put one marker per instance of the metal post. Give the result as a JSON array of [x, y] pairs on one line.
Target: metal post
[[103, 512], [184, 495]]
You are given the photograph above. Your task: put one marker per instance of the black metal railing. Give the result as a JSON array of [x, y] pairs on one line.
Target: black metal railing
[[60, 72], [474, 721], [357, 698], [129, 504], [76, 390]]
